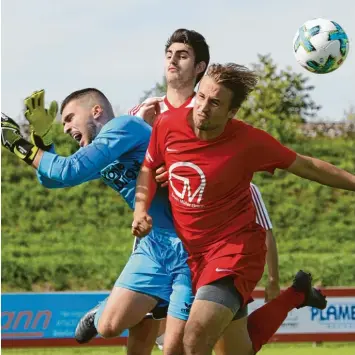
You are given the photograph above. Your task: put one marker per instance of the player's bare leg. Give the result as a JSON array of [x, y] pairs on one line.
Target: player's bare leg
[[235, 340], [206, 323], [142, 337], [161, 334], [162, 327], [173, 337], [133, 306]]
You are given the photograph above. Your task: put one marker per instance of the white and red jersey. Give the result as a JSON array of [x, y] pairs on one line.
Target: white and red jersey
[[164, 106], [262, 216], [209, 181]]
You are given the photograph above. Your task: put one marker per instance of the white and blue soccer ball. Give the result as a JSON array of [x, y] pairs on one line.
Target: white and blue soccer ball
[[321, 46]]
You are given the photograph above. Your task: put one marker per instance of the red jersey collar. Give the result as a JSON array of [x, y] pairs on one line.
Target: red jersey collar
[[186, 103]]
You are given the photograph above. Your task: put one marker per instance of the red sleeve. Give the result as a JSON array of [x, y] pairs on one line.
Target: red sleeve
[[268, 154], [154, 156]]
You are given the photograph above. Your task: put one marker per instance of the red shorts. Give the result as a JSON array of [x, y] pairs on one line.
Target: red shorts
[[241, 256]]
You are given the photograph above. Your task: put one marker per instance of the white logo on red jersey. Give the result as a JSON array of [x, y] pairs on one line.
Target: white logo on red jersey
[[148, 157], [218, 269], [182, 185], [171, 150]]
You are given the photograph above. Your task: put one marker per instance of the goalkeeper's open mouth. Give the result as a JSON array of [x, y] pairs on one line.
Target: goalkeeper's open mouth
[[77, 136]]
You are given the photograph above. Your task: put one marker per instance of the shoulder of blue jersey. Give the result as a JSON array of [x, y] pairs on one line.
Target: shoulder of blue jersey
[[127, 123]]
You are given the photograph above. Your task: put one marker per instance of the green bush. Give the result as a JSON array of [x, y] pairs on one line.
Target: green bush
[[79, 238]]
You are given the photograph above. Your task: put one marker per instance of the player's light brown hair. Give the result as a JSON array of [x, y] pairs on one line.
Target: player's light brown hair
[[237, 78]]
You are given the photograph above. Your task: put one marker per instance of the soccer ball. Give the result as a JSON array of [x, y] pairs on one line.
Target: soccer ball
[[320, 46]]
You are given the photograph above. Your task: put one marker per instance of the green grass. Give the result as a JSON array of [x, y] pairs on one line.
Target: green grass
[[272, 349]]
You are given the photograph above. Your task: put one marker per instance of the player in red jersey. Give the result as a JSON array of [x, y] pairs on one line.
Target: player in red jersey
[[211, 160]]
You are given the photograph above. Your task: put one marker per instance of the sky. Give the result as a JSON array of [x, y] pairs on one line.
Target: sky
[[118, 46]]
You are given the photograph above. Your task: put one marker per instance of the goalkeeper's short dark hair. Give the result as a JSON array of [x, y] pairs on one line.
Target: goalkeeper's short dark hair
[[91, 94]]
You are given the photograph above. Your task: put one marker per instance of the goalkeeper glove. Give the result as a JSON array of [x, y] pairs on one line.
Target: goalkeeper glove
[[41, 119], [12, 139]]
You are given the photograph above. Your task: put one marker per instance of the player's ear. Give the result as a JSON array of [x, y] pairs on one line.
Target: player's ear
[[231, 113], [200, 67], [97, 111]]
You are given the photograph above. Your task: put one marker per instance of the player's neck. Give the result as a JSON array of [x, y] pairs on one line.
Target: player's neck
[[178, 97], [207, 135], [101, 122]]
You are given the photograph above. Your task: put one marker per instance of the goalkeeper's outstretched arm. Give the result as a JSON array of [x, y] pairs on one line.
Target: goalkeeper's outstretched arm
[[118, 138], [82, 166], [49, 183]]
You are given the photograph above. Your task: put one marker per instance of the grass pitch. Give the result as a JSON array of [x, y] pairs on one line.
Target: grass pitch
[[272, 349]]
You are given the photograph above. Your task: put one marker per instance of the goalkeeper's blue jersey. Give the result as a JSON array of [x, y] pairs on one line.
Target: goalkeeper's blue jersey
[[115, 156]]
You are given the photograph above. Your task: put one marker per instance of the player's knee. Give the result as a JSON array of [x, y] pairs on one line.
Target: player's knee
[[175, 348], [108, 329], [195, 338], [190, 338]]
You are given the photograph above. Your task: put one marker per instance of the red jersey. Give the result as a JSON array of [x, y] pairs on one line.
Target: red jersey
[[209, 181]]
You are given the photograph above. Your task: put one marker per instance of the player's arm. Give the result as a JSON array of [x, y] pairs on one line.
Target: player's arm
[[322, 172], [146, 185], [272, 289], [45, 181], [267, 154], [145, 192], [85, 164], [69, 171], [116, 138], [62, 171]]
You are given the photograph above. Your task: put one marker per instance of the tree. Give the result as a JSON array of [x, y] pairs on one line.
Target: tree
[[280, 102], [350, 114]]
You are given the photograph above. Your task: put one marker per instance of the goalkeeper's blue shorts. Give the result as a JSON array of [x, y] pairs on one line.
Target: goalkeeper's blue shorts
[[157, 267]]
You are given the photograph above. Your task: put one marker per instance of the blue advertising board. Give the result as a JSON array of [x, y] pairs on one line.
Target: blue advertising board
[[50, 319], [45, 315]]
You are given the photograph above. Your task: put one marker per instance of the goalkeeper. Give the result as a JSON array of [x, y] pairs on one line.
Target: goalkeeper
[[112, 149]]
